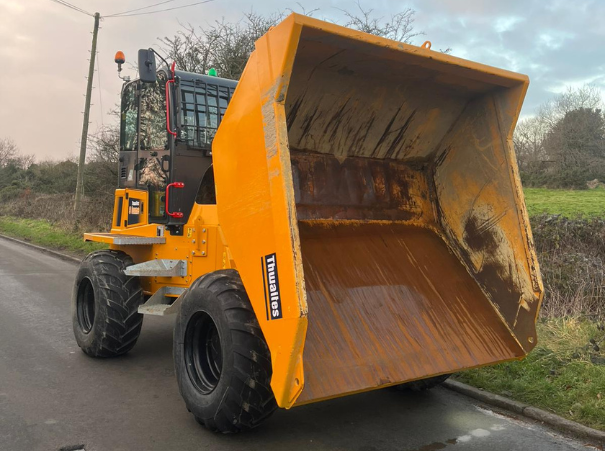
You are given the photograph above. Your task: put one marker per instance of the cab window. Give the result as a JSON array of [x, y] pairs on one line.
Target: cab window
[[202, 108], [153, 134], [129, 118]]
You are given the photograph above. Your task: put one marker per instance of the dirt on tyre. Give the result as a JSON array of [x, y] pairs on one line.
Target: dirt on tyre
[[423, 384], [221, 359], [105, 305]]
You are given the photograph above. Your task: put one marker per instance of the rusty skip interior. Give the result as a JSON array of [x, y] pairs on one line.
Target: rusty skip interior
[[415, 248]]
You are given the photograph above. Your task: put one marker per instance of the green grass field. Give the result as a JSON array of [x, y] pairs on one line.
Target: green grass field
[[564, 374], [587, 203], [43, 233]]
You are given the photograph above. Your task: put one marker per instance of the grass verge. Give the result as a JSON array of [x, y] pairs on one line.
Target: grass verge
[[568, 203], [564, 374], [44, 233]]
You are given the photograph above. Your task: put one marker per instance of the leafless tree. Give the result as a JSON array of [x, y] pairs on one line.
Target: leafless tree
[[226, 46], [105, 146], [529, 143], [559, 137], [398, 27], [10, 155], [101, 171], [587, 96], [304, 11], [190, 51], [8, 151], [232, 44], [24, 161]]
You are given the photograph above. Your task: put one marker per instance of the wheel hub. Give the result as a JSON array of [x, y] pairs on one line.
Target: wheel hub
[[203, 353], [85, 305]]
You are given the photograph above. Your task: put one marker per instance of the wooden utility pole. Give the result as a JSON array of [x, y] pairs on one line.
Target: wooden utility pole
[[91, 71]]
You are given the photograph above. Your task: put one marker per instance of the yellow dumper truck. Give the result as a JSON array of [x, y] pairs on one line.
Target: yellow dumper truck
[[346, 217]]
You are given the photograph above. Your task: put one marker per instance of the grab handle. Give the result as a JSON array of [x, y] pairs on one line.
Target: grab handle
[[175, 214]]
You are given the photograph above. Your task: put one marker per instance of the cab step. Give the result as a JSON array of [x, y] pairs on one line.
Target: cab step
[[163, 302], [158, 268]]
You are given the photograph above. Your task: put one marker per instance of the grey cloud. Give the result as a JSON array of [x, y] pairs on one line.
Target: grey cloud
[[45, 48], [557, 43]]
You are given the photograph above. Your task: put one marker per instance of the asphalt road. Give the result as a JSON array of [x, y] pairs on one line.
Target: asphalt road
[[53, 397]]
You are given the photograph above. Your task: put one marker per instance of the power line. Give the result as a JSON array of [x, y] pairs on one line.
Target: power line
[[74, 7], [139, 9], [127, 13], [160, 11]]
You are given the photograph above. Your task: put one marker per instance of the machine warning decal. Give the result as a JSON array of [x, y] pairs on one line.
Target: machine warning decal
[[134, 207], [271, 286], [134, 210]]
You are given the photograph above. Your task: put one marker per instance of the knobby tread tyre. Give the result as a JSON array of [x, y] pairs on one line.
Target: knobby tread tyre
[[242, 398], [111, 325]]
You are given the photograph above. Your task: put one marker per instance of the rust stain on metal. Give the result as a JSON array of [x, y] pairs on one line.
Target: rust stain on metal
[[327, 187], [390, 303], [481, 218]]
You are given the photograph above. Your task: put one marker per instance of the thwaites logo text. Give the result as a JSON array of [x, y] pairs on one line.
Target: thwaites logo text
[[271, 284]]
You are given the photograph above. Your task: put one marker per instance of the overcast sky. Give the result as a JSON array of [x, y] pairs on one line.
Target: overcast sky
[[44, 49]]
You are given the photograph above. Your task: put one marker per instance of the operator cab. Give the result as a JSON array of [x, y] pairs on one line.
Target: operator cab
[[167, 123]]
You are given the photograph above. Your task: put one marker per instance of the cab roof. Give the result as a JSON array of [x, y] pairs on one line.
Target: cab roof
[[190, 76]]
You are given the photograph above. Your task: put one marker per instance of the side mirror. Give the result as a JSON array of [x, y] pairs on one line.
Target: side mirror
[[147, 67]]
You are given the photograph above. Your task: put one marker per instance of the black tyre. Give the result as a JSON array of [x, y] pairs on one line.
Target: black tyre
[[222, 362], [104, 305], [423, 384]]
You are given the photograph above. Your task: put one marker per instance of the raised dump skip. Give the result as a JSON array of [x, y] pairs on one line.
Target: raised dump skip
[[392, 180]]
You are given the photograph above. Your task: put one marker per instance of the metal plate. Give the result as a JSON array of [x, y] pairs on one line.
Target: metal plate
[[158, 268], [125, 240], [387, 304]]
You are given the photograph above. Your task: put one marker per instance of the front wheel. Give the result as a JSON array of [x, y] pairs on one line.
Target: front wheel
[[221, 359], [105, 305]]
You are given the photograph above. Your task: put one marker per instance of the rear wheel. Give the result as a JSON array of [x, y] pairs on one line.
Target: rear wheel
[[105, 301], [423, 384], [222, 362]]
